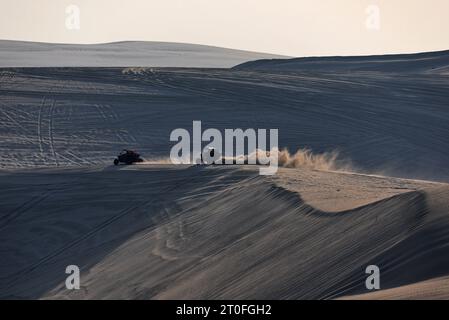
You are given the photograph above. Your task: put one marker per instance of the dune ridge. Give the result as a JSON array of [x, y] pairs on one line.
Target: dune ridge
[[425, 62], [122, 54]]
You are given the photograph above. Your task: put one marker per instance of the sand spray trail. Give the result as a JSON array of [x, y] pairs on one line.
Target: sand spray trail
[[302, 158]]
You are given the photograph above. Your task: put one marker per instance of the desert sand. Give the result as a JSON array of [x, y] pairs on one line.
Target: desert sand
[[373, 190], [124, 53], [212, 232]]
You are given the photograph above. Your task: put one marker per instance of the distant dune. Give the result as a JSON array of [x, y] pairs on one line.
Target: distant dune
[[428, 62], [122, 54]]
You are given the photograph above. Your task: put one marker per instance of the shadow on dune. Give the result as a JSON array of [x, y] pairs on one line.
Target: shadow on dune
[[51, 219]]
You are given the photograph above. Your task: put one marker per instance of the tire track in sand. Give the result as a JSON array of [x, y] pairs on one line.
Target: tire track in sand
[[50, 132]]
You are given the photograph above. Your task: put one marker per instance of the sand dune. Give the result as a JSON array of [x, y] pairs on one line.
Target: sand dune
[[122, 54], [427, 62], [216, 232], [159, 231], [380, 123]]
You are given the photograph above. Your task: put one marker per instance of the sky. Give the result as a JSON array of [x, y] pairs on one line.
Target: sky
[[289, 27]]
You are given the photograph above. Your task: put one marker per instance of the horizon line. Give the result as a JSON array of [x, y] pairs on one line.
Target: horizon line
[[227, 48]]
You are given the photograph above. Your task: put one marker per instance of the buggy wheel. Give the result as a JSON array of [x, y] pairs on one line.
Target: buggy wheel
[[116, 162]]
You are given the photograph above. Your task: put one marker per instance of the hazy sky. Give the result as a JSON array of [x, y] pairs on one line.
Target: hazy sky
[[291, 27]]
